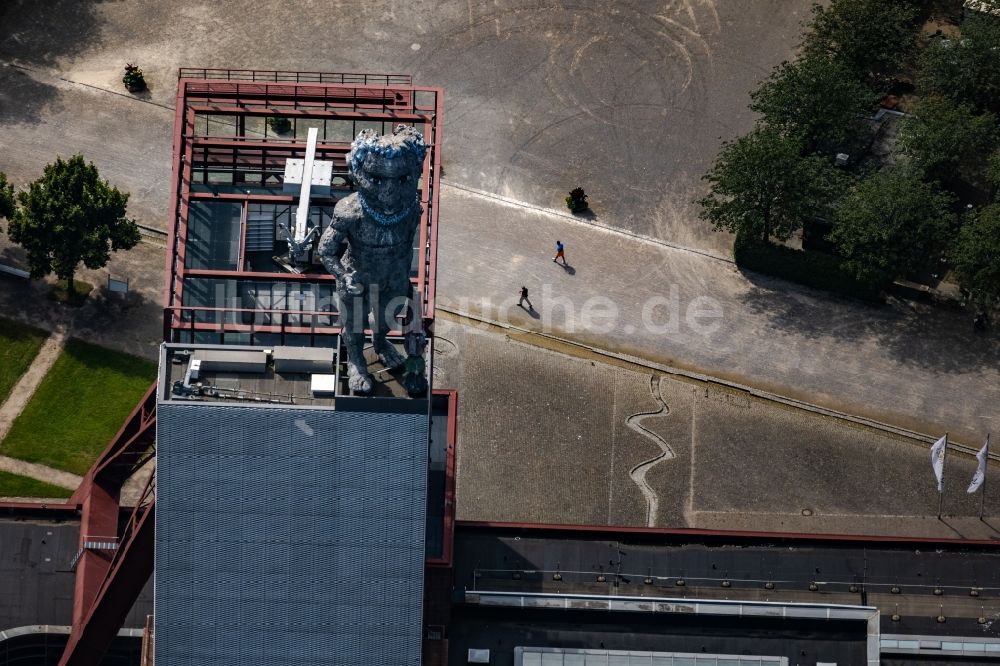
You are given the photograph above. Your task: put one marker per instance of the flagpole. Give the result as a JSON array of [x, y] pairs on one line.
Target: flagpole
[[986, 466], [944, 459]]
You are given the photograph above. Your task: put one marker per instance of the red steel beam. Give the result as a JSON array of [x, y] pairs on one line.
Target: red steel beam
[[438, 572], [451, 440], [433, 194], [340, 149], [176, 193], [125, 448], [99, 495], [98, 521], [122, 585]]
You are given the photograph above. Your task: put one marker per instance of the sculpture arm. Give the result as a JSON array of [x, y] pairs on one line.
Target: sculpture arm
[[332, 245]]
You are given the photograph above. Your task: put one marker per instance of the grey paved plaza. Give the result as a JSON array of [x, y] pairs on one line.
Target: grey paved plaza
[[628, 99]]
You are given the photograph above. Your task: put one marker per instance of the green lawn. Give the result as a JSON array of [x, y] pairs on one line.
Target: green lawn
[[14, 485], [19, 344], [78, 407]]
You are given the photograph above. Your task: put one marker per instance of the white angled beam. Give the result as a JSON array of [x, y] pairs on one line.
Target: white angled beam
[[302, 212]]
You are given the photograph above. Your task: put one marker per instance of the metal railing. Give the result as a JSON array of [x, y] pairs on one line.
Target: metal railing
[[93, 543], [278, 76]]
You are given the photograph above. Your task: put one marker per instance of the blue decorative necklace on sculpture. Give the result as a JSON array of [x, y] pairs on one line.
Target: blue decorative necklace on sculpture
[[383, 219]]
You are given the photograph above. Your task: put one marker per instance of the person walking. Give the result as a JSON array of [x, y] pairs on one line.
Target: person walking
[[525, 299], [560, 253]]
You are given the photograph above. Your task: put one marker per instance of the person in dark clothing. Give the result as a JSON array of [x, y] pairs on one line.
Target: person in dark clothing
[[524, 299]]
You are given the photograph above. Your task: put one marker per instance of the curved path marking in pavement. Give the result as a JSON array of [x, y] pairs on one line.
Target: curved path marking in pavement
[[638, 473]]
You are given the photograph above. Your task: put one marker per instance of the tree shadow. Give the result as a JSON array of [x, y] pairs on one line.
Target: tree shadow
[[919, 335], [40, 33], [36, 36], [15, 256], [23, 98], [130, 322]]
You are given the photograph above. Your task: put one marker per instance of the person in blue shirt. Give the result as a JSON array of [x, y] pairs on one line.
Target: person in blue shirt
[[560, 253]]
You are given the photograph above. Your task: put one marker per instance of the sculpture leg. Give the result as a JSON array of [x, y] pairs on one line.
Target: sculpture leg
[[354, 315], [393, 300]]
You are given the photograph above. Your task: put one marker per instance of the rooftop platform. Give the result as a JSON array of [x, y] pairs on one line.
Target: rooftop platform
[[281, 376], [229, 277]]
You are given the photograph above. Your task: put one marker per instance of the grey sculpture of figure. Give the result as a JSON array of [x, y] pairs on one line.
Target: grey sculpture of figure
[[414, 342], [369, 245]]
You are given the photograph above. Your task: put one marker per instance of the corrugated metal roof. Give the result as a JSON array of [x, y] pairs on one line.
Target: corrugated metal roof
[[289, 536]]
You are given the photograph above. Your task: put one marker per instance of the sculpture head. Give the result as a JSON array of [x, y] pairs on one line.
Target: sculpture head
[[386, 170]]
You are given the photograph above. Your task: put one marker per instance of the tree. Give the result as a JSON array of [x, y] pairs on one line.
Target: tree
[[993, 170], [869, 37], [891, 224], [976, 254], [816, 100], [6, 197], [70, 215], [763, 187], [948, 141], [968, 69]]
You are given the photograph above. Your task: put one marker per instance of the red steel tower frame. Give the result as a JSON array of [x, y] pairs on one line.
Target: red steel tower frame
[[108, 580]]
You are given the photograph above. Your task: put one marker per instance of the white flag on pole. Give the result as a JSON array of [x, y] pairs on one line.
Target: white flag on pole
[[937, 460], [980, 475]]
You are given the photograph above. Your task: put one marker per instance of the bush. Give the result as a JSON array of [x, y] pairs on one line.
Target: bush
[[577, 200], [279, 124], [812, 269], [133, 78]]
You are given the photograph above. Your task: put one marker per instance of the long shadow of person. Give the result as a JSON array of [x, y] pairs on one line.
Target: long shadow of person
[[530, 310], [569, 269]]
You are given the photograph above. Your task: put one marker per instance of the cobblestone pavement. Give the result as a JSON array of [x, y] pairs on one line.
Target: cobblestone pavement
[[544, 438]]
